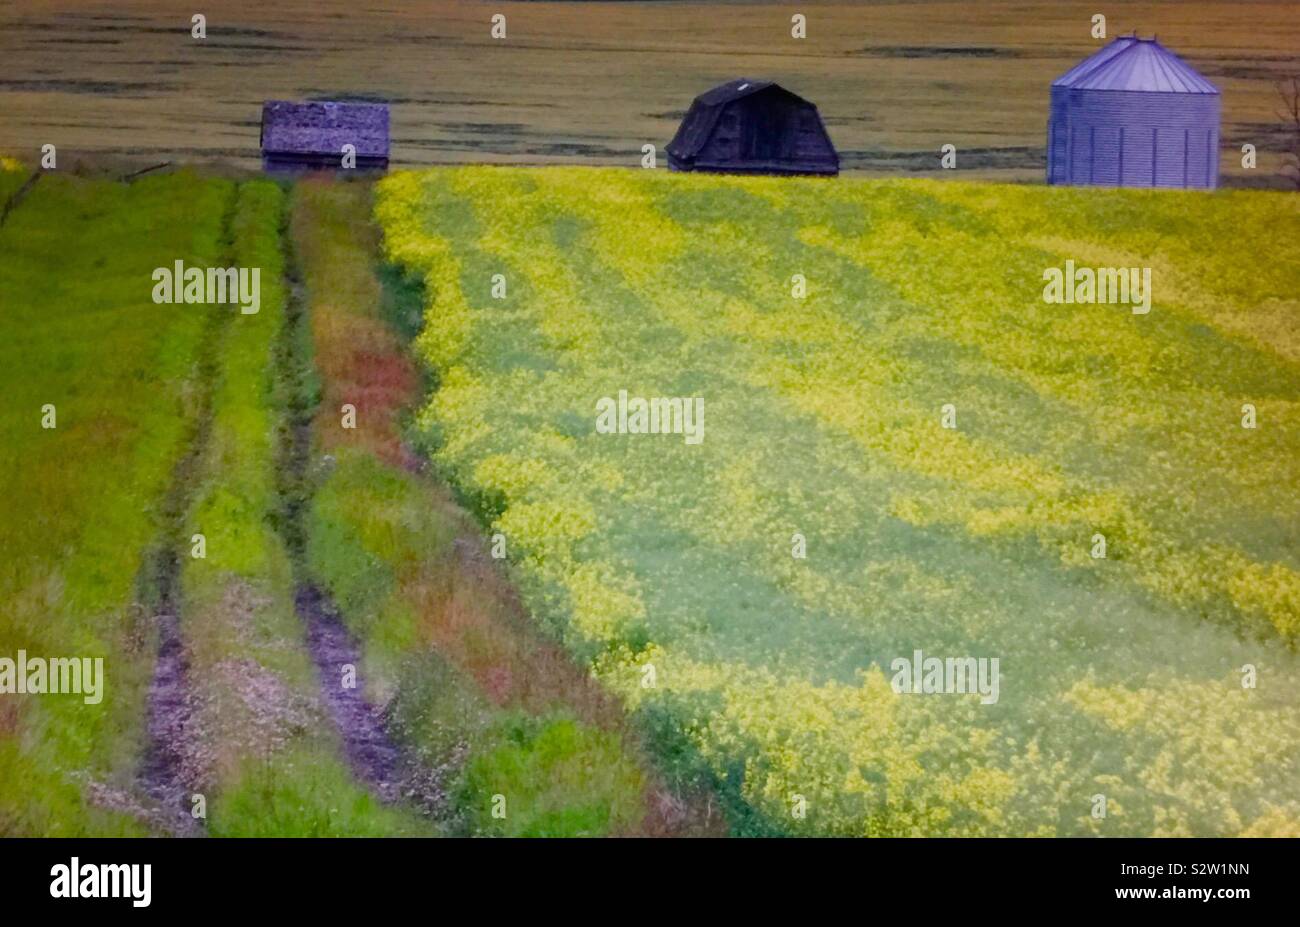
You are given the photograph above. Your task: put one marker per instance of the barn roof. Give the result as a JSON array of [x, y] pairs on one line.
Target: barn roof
[[1131, 63], [323, 128], [694, 132], [733, 90]]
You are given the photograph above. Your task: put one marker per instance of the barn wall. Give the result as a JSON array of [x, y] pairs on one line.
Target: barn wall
[[813, 143], [724, 143], [803, 137]]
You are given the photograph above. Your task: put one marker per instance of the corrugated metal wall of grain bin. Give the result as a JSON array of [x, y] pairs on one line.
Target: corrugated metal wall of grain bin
[[1134, 115]]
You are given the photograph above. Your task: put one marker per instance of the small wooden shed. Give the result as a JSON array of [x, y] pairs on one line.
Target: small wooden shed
[[312, 135], [750, 126]]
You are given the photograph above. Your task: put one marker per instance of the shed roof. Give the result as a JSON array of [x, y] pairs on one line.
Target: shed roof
[[323, 128], [1134, 64], [693, 134]]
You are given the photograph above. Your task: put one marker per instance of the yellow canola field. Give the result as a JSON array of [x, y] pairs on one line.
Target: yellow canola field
[[1097, 520]]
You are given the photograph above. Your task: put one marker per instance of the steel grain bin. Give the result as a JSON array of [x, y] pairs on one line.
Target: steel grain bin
[[1134, 115]]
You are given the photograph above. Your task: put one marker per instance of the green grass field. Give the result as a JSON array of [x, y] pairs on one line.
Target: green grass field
[[174, 422], [80, 334], [1120, 677], [125, 377]]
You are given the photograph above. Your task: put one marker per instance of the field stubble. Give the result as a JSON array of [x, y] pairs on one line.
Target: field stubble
[[590, 83]]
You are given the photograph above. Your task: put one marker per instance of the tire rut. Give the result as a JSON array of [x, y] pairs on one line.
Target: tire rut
[[376, 758], [171, 769], [371, 753], [17, 196]]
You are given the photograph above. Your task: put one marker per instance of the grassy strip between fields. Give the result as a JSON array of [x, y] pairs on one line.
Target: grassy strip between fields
[[527, 744], [269, 755]]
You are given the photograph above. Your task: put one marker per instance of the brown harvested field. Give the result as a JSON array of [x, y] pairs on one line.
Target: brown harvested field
[[592, 82]]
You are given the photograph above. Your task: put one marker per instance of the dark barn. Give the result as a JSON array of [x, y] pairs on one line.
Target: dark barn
[[306, 136], [753, 127]]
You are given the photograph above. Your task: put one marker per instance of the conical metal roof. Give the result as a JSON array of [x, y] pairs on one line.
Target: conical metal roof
[[1131, 63]]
